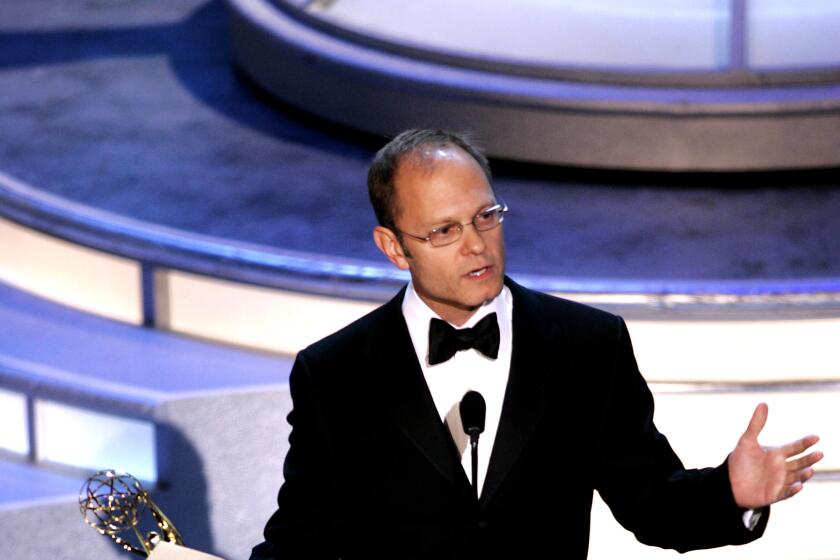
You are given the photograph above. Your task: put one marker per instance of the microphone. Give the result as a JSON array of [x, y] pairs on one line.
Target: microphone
[[473, 409]]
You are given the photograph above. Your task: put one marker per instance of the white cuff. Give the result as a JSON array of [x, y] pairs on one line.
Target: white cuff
[[751, 518]]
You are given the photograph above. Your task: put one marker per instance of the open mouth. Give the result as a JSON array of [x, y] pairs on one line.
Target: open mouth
[[479, 272]]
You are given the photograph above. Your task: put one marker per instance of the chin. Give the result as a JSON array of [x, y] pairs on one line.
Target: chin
[[491, 293]]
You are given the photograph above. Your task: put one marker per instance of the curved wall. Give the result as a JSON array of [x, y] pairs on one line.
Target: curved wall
[[542, 117]]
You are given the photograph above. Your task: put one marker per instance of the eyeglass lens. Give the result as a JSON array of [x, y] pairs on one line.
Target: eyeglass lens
[[483, 221]]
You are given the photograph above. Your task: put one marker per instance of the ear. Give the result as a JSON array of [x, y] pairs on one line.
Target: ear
[[390, 246]]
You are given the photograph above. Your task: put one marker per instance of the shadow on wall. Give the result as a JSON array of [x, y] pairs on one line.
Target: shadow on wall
[[183, 491]]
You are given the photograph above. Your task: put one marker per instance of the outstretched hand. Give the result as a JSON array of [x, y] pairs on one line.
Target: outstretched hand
[[760, 475]]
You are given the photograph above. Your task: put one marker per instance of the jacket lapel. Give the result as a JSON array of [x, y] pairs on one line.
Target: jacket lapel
[[400, 383], [535, 344]]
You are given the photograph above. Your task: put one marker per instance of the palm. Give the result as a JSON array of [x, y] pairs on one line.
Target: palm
[[761, 475]]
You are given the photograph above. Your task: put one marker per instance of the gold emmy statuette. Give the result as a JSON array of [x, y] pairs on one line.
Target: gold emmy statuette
[[113, 503]]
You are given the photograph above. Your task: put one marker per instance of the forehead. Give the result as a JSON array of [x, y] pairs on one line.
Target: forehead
[[437, 183], [428, 156]]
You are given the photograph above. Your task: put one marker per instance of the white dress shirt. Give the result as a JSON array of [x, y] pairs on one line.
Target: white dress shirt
[[467, 370]]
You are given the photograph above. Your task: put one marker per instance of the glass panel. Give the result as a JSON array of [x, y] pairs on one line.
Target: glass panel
[[93, 440], [68, 273], [13, 435], [644, 34], [788, 34]]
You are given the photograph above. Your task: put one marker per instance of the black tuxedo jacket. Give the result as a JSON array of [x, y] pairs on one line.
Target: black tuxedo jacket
[[372, 473]]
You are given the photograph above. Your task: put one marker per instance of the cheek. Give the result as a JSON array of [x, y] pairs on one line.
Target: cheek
[[435, 273], [499, 244]]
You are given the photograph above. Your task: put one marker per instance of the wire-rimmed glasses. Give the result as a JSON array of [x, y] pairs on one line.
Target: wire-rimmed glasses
[[487, 219]]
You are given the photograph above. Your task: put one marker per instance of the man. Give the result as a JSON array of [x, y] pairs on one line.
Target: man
[[373, 471]]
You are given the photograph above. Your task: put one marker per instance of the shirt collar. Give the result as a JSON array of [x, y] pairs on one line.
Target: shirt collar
[[417, 316], [415, 309]]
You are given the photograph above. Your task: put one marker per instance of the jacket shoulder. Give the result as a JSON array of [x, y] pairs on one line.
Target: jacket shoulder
[[565, 312], [356, 335], [575, 310]]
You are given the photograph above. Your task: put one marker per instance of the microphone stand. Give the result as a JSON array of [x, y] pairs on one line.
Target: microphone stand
[[473, 410], [474, 455]]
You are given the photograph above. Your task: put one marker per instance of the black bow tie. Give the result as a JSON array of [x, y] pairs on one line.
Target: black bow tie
[[445, 340]]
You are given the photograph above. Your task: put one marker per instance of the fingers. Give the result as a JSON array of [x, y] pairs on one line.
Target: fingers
[[798, 446], [803, 462], [801, 476], [757, 422], [799, 472], [793, 490]]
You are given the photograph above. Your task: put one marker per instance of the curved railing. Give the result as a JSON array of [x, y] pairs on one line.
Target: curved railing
[[730, 113], [155, 246], [734, 43]]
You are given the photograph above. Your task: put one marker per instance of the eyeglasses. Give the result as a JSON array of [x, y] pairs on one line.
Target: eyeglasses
[[485, 220]]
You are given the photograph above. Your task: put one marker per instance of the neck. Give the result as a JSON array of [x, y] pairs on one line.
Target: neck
[[453, 315]]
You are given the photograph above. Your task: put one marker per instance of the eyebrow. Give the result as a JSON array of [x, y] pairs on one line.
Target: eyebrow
[[450, 220]]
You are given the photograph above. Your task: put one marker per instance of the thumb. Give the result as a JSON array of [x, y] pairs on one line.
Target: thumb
[[757, 422]]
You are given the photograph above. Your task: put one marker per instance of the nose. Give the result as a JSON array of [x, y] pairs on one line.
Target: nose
[[472, 240]]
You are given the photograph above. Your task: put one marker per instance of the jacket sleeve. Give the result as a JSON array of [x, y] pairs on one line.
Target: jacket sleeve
[[307, 523], [643, 481]]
